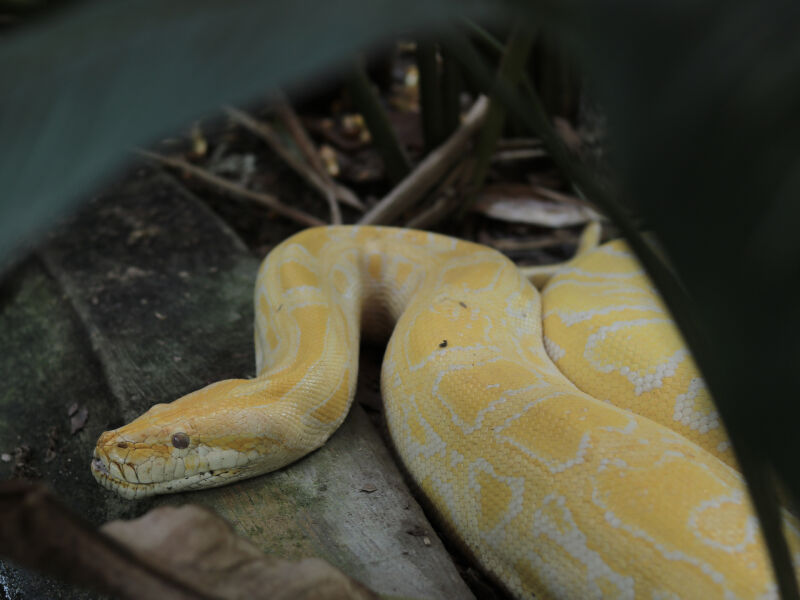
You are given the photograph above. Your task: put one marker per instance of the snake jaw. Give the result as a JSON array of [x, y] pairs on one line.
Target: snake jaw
[[119, 478]]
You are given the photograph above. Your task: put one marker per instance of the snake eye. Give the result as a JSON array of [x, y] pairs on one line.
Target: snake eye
[[180, 440]]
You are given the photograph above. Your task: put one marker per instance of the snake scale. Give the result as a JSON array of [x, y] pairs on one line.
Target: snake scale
[[565, 440]]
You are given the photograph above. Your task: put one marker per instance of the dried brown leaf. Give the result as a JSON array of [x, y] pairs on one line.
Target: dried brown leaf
[[169, 553], [201, 549], [519, 203], [78, 420]]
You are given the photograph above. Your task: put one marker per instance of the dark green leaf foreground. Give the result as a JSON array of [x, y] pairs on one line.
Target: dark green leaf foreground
[[703, 100]]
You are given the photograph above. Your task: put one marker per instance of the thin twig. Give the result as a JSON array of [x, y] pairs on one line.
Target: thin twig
[[333, 205], [506, 156], [307, 147], [560, 197], [273, 140], [447, 198], [429, 171], [519, 143], [267, 200], [513, 244]]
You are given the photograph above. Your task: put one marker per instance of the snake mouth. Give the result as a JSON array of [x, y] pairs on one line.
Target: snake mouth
[[135, 490], [124, 488]]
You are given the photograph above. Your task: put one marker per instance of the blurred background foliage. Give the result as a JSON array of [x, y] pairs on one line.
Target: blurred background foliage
[[702, 100]]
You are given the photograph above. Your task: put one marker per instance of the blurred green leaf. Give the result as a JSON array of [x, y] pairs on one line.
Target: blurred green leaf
[[704, 102], [430, 94], [703, 99], [368, 102], [83, 86], [509, 72]]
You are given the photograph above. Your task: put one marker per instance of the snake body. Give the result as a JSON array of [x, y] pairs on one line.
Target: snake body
[[616, 482]]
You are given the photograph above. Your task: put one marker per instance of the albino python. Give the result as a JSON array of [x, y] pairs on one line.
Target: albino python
[[614, 481]]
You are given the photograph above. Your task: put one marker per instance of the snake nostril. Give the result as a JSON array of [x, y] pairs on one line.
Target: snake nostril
[[122, 445]]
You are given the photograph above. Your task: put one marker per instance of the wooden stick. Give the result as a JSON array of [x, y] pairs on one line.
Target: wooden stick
[[273, 140], [446, 201], [234, 189], [306, 144], [429, 171]]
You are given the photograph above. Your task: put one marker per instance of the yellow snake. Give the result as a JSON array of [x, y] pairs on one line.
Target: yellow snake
[[625, 489]]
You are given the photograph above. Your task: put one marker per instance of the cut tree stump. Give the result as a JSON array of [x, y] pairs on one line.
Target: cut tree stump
[[144, 296]]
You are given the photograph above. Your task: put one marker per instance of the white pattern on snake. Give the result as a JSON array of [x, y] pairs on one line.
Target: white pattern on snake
[[553, 490]]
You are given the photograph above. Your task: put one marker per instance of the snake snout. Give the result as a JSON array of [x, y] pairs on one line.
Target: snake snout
[[99, 466], [105, 438]]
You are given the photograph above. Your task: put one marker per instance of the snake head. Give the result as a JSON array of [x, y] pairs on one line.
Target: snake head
[[192, 443]]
